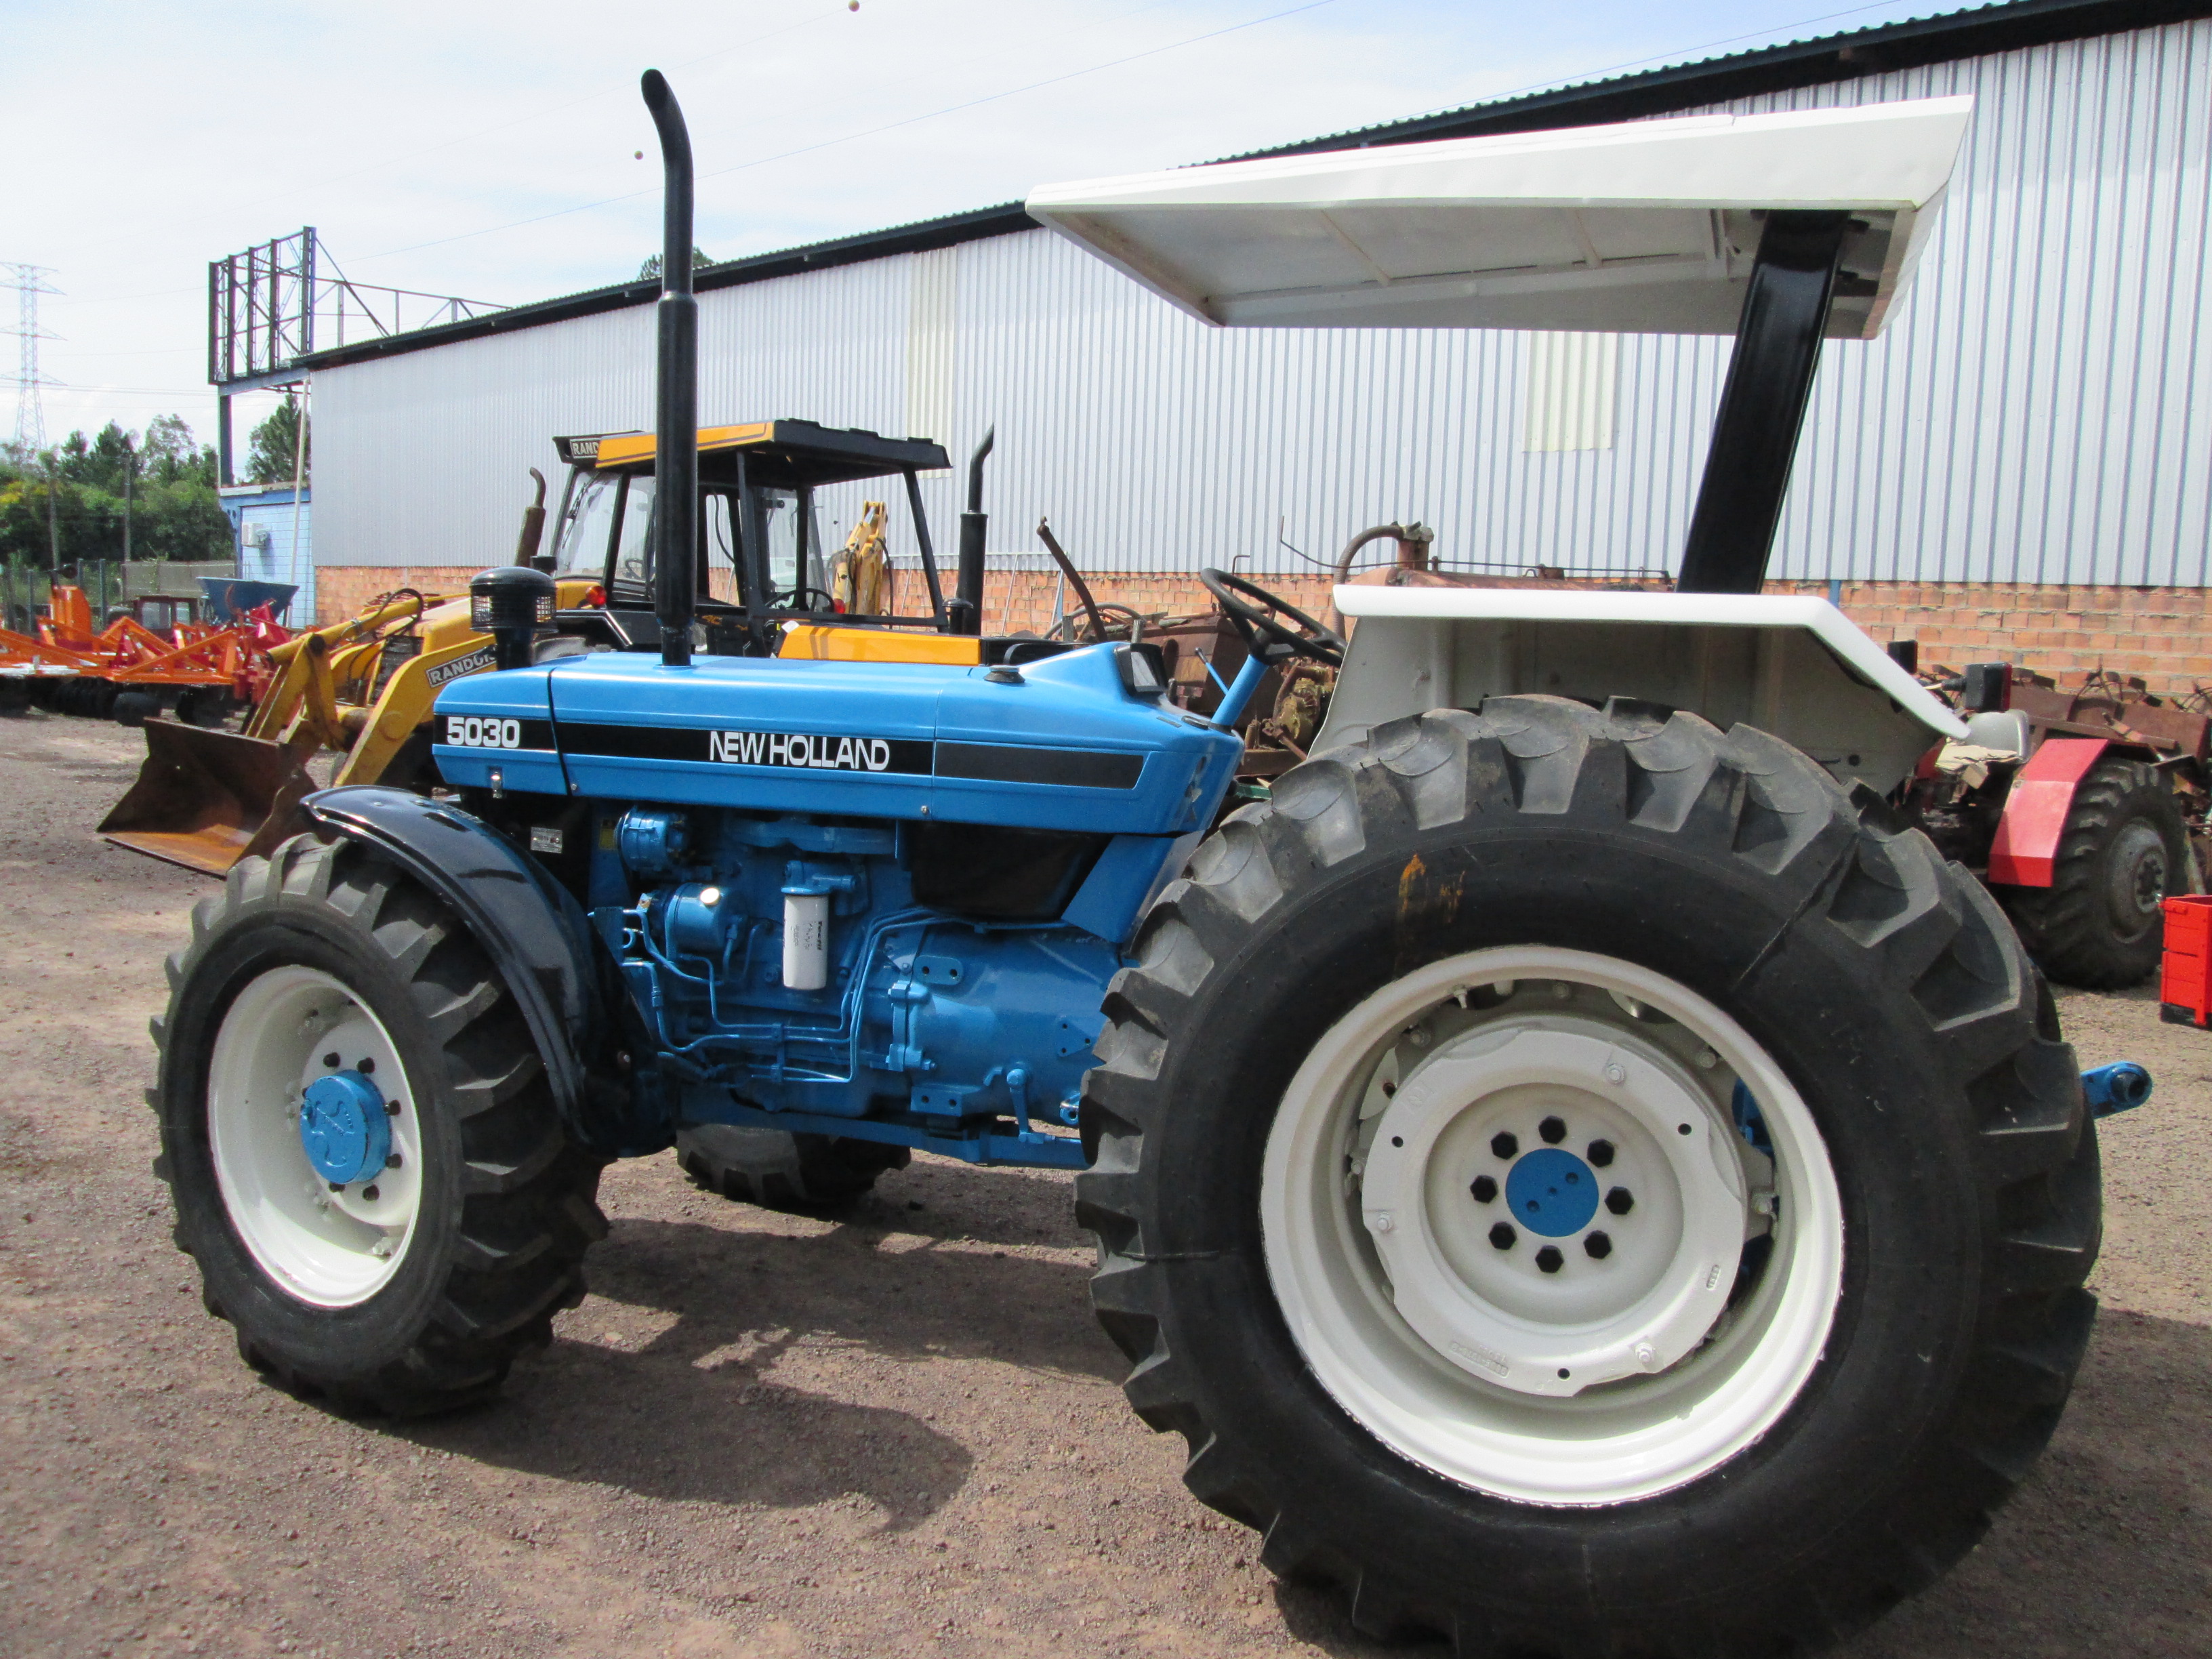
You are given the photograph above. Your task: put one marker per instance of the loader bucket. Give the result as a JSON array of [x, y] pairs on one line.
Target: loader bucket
[[206, 799]]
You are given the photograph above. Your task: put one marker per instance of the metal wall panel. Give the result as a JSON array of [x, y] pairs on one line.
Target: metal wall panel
[[2033, 415]]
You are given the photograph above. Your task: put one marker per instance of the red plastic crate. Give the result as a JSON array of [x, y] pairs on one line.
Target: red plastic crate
[[2185, 978]]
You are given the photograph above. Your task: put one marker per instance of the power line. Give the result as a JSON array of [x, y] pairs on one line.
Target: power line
[[889, 126], [1683, 57]]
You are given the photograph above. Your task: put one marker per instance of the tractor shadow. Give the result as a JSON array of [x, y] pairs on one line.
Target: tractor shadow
[[692, 1406], [2108, 1547], [2106, 1550]]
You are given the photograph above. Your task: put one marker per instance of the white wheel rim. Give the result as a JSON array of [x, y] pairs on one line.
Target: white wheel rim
[[1449, 1348], [330, 1247]]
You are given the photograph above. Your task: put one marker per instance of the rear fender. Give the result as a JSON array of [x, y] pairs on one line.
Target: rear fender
[[1791, 665], [533, 930], [2025, 851]]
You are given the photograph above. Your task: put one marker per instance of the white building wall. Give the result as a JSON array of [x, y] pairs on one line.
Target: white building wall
[[2040, 410]]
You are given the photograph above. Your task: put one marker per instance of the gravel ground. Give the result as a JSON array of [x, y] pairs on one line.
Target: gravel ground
[[764, 1435]]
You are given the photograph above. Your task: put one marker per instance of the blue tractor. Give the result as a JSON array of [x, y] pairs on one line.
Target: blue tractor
[[1582, 1174]]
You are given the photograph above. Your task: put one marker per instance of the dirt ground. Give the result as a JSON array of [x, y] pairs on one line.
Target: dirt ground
[[762, 1435]]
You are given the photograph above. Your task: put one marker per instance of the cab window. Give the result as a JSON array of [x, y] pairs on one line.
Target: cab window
[[583, 550]]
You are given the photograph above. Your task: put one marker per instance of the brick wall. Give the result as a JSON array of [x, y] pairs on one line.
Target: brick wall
[[343, 590], [2162, 634]]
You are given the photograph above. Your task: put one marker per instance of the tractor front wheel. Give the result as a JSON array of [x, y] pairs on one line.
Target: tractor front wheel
[[360, 1139], [1587, 1185]]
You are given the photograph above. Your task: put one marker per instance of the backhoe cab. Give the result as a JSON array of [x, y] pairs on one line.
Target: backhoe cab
[[760, 557]]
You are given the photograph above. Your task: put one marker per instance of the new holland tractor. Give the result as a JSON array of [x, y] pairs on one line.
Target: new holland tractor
[[1581, 1175]]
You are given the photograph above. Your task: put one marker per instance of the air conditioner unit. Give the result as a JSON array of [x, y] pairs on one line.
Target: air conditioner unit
[[254, 535]]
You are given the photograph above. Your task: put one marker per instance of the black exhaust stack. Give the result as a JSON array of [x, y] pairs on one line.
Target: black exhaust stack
[[967, 606], [675, 405]]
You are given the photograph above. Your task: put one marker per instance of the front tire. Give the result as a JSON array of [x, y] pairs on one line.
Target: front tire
[[394, 1248], [1826, 1333]]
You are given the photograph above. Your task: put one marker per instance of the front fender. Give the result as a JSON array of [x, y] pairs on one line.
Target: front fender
[[531, 928], [2025, 851]]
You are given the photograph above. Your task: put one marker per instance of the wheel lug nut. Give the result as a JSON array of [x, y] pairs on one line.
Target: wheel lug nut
[[1620, 1201], [369, 1192], [330, 1060], [392, 1160], [1503, 1144], [1554, 1130], [1601, 1153], [1502, 1236], [1484, 1188], [1550, 1259], [365, 1067], [1599, 1245]]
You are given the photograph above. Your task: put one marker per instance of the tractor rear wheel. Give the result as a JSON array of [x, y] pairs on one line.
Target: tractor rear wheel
[[360, 1139], [1587, 1185], [780, 1171], [2100, 924]]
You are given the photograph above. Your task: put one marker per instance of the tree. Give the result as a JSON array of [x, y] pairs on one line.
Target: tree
[[99, 462], [175, 514], [167, 453], [273, 450], [650, 270]]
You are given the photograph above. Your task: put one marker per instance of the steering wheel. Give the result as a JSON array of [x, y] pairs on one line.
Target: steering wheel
[[1267, 635]]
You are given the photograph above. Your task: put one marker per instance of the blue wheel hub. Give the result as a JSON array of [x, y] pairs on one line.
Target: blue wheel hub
[[1551, 1192], [345, 1129]]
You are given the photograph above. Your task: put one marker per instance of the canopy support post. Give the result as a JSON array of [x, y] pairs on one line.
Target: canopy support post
[[1770, 382]]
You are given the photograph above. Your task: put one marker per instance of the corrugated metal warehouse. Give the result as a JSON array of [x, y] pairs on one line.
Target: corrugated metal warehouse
[[2023, 462]]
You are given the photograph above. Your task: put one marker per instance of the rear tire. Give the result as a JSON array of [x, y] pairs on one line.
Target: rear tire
[[1290, 1310], [2099, 925], [783, 1171], [412, 1285]]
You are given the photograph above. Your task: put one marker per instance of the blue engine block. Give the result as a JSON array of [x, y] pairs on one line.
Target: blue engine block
[[935, 1023]]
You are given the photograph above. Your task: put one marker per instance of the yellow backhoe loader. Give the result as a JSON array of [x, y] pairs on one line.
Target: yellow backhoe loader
[[363, 687]]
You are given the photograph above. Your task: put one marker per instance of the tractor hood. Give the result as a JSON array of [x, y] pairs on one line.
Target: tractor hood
[[1649, 227], [1061, 745]]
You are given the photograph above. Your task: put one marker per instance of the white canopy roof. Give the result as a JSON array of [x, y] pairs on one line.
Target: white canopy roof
[[1647, 228]]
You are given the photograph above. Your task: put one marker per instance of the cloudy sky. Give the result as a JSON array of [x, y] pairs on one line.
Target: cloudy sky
[[490, 151]]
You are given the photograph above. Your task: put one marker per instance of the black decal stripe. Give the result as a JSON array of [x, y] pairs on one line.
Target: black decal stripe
[[674, 743], [1081, 769]]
